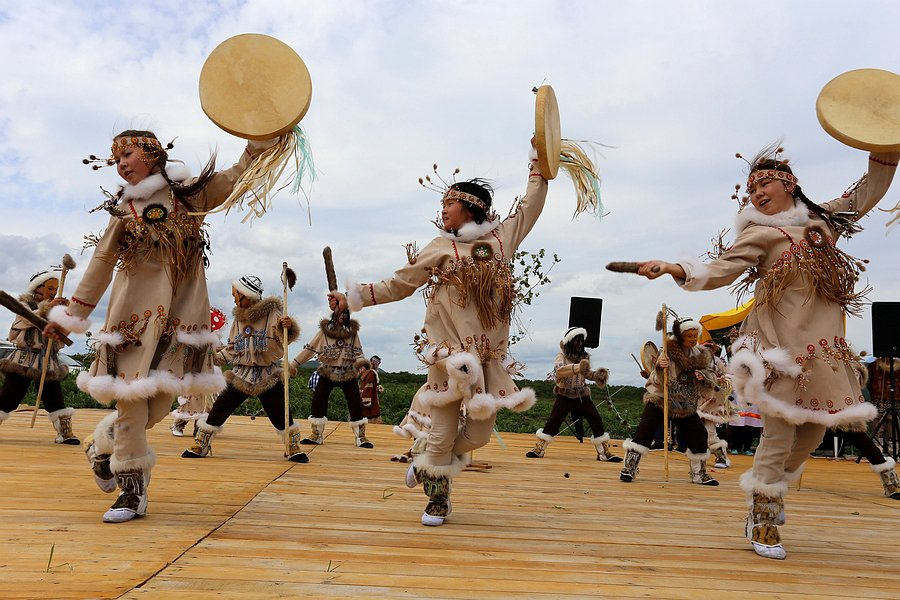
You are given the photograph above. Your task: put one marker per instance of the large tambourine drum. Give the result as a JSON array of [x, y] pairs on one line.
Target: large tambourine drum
[[547, 137], [861, 108], [649, 356], [255, 87]]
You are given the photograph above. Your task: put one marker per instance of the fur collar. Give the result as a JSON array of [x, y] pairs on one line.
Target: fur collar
[[255, 312], [341, 333], [798, 215], [471, 231], [695, 359], [151, 184]]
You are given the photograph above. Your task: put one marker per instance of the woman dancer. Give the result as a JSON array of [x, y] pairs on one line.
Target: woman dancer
[[791, 359]]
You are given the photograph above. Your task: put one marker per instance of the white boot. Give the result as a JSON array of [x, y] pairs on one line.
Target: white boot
[[719, 450], [359, 431], [98, 447], [133, 478], [540, 444], [698, 469], [766, 502], [62, 423], [601, 444], [317, 436]]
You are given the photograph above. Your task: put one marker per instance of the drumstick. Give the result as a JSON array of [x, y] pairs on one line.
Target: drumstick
[[627, 267]]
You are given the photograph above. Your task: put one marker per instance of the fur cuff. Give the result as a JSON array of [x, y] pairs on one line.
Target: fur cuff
[[697, 274], [456, 466], [720, 445], [752, 485], [598, 441], [629, 445], [319, 420], [56, 414], [357, 424], [403, 432], [202, 425], [198, 339], [144, 463], [60, 316], [702, 457], [354, 296], [541, 435], [485, 406], [106, 388], [887, 465], [104, 440]]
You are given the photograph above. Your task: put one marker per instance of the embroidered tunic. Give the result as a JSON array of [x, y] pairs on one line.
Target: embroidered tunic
[[30, 346], [685, 390], [792, 359], [337, 350]]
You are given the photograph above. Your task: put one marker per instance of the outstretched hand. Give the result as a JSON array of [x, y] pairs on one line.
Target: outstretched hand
[[337, 301]]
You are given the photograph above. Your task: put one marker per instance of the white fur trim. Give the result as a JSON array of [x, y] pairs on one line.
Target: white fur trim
[[572, 333], [103, 442], [56, 414], [598, 441], [750, 484], [543, 436], [202, 425], [109, 338], [106, 388], [354, 296], [887, 465], [403, 432], [59, 315], [720, 445], [41, 280], [142, 463], [186, 416], [456, 466], [701, 457], [318, 420], [697, 274], [797, 215], [471, 231], [145, 188], [485, 406], [197, 339], [177, 170], [356, 424], [629, 445]]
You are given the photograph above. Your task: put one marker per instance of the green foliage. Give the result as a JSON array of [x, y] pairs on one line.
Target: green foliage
[[530, 273]]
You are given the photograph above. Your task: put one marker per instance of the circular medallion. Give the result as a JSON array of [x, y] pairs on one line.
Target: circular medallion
[[816, 237], [482, 251], [155, 213]]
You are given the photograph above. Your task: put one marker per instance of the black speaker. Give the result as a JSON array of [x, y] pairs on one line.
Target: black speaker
[[585, 312], [886, 329]]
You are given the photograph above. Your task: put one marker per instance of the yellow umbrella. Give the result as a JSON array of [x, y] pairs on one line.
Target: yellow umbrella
[[724, 320]]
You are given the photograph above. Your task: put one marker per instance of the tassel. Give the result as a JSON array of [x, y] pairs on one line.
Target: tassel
[[578, 165]]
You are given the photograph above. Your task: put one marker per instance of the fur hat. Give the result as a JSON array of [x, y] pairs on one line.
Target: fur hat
[[688, 323], [571, 333], [39, 279], [250, 286]]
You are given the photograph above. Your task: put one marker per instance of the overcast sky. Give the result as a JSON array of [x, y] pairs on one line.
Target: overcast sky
[[676, 87]]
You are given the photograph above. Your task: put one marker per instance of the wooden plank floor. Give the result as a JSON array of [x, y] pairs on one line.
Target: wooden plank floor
[[247, 524]]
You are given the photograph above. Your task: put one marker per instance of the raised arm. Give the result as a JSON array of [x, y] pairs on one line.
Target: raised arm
[[871, 189], [403, 284], [222, 182], [519, 224]]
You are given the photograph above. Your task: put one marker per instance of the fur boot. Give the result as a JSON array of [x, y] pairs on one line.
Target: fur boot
[[177, 428], [540, 444], [359, 431], [766, 502], [294, 454], [98, 447], [437, 482], [888, 473], [601, 444], [718, 450], [317, 436], [633, 454], [62, 423], [698, 469], [202, 446], [133, 479]]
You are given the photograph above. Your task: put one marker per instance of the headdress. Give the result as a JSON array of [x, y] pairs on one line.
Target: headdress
[[250, 286], [449, 193], [39, 279], [688, 323], [571, 333], [151, 150], [765, 165]]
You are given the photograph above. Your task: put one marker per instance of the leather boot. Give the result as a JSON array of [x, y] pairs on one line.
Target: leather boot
[[698, 469], [132, 500], [540, 445], [62, 423], [98, 447], [601, 444], [762, 530], [633, 454], [177, 428], [437, 488], [888, 474], [718, 450], [317, 436], [294, 454], [202, 446], [359, 431]]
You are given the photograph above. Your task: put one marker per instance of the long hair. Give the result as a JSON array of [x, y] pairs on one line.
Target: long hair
[[183, 192], [481, 189]]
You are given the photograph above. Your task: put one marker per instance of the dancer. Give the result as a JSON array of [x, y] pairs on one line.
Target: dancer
[[571, 369], [690, 378], [155, 343], [716, 408], [24, 363], [370, 388], [192, 407], [338, 348], [470, 294], [791, 359], [255, 347]]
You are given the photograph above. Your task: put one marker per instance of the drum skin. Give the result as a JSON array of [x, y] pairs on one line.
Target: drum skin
[[861, 108], [547, 137]]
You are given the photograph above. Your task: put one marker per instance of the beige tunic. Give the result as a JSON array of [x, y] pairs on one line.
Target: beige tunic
[[256, 345], [792, 360], [685, 390], [466, 360], [27, 358], [156, 337], [337, 350], [715, 403]]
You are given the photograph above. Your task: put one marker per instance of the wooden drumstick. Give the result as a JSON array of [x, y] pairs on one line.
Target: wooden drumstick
[[627, 267]]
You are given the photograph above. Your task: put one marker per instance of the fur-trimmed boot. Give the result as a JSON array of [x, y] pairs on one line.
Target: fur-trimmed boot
[[888, 473], [98, 447], [177, 427], [633, 454], [718, 450], [437, 482], [698, 469], [540, 444], [202, 446], [133, 478], [766, 502], [317, 435], [601, 444], [294, 453], [359, 432], [62, 423]]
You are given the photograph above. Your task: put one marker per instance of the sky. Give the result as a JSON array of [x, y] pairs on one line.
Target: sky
[[675, 90]]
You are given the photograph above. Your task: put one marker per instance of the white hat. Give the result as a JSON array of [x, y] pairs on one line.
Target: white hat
[[250, 286], [39, 279], [571, 333]]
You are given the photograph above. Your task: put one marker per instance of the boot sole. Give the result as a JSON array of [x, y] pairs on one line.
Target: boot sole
[[301, 458], [189, 454]]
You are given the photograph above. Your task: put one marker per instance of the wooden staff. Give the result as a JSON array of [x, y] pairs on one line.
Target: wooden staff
[[664, 352], [67, 263], [288, 279]]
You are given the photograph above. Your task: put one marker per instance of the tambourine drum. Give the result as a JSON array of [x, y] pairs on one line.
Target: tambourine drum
[[547, 138], [255, 87], [649, 356], [861, 108]]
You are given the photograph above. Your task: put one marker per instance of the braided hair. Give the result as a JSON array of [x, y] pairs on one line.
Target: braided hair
[[481, 189]]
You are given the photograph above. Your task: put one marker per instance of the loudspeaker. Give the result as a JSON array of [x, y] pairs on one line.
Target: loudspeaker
[[886, 329], [585, 312]]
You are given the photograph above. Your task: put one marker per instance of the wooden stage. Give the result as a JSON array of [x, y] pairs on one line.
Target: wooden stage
[[247, 524]]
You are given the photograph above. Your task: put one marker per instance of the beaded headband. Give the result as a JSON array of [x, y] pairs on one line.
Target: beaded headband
[[151, 150], [465, 197], [757, 176]]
